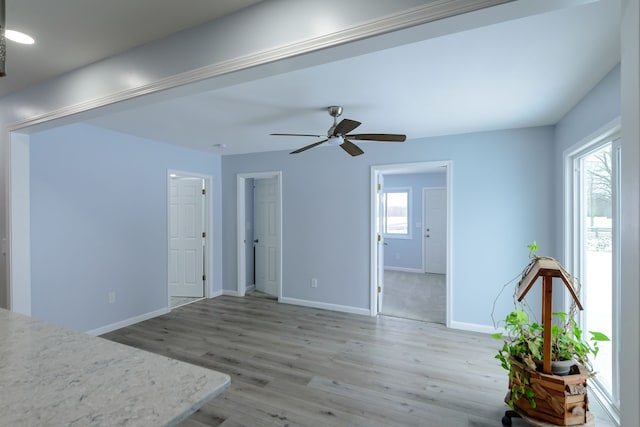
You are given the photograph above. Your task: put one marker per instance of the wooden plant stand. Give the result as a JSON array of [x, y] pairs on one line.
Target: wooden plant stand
[[560, 400], [506, 420]]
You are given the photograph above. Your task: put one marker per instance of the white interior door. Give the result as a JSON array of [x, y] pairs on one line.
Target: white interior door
[[186, 244], [435, 230], [380, 207], [266, 233]]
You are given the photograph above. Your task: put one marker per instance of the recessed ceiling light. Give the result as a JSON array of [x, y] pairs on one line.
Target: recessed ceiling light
[[18, 37]]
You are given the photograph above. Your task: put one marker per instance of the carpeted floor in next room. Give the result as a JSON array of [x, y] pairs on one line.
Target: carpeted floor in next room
[[416, 296]]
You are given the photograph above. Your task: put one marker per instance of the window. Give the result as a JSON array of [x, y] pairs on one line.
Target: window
[[593, 248], [396, 213]]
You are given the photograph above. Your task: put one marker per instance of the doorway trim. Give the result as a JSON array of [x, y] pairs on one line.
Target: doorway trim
[[410, 168], [241, 285], [208, 226]]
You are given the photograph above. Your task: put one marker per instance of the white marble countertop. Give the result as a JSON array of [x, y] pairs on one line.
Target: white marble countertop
[[51, 376]]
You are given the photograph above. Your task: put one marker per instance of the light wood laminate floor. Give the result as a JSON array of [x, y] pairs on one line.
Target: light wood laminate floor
[[297, 366]]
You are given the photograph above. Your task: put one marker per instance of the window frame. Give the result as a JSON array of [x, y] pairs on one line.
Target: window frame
[[573, 238]]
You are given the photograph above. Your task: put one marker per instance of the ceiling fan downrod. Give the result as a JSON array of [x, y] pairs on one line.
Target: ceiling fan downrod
[[335, 111]]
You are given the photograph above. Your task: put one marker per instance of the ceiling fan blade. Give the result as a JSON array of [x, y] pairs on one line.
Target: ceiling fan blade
[[295, 134], [387, 137], [351, 148], [305, 148], [345, 126]]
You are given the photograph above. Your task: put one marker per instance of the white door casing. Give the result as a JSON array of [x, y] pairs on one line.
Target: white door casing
[[435, 230], [418, 167], [266, 235], [186, 245], [380, 206]]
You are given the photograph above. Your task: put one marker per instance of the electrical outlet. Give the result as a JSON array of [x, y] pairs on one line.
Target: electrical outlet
[[314, 283], [112, 297]]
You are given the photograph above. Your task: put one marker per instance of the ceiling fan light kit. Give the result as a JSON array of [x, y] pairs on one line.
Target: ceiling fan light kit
[[335, 140], [338, 134]]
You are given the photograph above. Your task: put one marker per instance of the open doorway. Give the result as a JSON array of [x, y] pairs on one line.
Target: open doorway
[[260, 234], [188, 265], [411, 252]]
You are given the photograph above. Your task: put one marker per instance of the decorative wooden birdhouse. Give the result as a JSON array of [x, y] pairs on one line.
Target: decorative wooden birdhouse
[[547, 268], [560, 400]]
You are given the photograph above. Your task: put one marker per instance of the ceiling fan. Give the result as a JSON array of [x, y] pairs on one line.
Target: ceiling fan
[[338, 134]]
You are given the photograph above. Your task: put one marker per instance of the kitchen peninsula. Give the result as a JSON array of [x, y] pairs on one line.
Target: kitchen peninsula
[[54, 376]]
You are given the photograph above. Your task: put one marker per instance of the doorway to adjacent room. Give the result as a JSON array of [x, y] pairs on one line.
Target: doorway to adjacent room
[[259, 240], [188, 265], [411, 251]]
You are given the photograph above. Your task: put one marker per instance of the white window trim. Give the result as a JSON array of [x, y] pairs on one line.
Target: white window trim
[[409, 192], [610, 132]]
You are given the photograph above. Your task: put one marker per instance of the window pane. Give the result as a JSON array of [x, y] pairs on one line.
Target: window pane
[[596, 218], [397, 208]]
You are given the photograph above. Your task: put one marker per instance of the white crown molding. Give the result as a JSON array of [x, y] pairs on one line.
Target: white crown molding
[[436, 10]]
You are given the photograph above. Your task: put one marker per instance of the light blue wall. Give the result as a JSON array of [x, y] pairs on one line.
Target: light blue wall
[[501, 202], [599, 106], [277, 27], [407, 253], [99, 223]]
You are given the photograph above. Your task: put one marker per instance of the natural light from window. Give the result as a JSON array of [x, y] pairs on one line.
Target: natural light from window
[[396, 217], [595, 201]]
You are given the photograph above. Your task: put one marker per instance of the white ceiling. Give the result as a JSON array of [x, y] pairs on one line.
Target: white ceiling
[[526, 72], [72, 33], [519, 73]]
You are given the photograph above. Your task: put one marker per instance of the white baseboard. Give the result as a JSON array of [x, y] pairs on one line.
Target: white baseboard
[[474, 327], [250, 288], [404, 269], [325, 306], [229, 293], [216, 293], [128, 322]]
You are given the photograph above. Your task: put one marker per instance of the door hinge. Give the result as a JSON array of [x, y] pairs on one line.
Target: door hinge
[[204, 278], [379, 186], [204, 234], [379, 238], [204, 191], [379, 289]]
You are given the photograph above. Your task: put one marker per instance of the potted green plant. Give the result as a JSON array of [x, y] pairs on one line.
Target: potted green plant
[[523, 342]]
